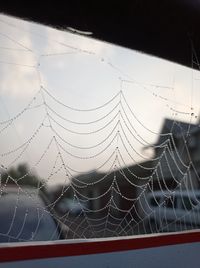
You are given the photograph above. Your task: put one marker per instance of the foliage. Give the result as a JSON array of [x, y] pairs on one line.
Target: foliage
[[21, 175]]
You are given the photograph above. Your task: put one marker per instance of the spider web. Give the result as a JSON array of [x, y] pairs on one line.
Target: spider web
[[84, 148]]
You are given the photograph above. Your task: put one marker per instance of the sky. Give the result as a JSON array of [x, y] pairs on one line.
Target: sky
[[62, 69]]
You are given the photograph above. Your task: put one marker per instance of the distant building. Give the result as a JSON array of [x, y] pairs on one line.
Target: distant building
[[177, 153], [176, 160], [124, 186]]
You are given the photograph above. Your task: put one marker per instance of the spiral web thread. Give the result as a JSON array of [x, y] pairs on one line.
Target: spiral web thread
[[123, 195]]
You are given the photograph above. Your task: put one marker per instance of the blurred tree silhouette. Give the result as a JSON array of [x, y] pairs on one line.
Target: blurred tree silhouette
[[21, 175]]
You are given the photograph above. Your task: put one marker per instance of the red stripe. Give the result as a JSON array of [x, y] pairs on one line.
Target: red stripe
[[29, 252]]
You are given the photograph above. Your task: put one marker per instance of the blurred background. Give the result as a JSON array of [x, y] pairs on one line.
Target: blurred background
[[96, 140]]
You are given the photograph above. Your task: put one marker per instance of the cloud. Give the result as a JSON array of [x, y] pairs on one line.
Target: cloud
[[19, 76]]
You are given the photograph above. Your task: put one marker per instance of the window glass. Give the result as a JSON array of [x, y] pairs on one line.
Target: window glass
[[186, 203], [24, 221], [155, 201], [171, 202]]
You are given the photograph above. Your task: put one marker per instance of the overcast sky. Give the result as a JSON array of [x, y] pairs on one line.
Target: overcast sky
[[83, 73]]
